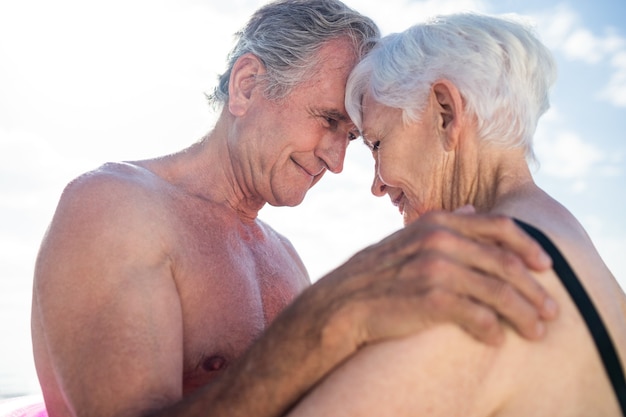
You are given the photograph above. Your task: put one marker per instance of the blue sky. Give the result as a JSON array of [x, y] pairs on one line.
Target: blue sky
[[82, 83]]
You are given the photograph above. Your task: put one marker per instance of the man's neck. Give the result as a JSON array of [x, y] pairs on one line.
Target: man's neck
[[205, 170]]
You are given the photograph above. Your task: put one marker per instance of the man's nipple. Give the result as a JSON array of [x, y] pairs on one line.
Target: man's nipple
[[214, 363]]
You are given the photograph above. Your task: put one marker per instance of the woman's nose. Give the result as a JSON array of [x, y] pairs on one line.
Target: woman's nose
[[378, 186]]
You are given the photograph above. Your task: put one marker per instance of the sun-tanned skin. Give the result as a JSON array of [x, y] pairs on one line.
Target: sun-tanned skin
[[156, 282]]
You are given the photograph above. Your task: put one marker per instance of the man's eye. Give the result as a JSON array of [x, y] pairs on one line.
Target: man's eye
[[352, 136], [332, 123]]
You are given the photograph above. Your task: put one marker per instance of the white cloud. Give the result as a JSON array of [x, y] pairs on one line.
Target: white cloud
[[390, 19], [555, 25], [581, 44], [563, 30], [615, 91], [567, 156]]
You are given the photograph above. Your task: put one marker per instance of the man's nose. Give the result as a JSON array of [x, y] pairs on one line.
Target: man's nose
[[332, 151]]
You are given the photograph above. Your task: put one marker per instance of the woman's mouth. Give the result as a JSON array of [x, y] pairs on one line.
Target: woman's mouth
[[399, 202]]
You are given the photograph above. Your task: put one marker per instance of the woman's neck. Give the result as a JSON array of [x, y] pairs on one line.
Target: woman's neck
[[487, 176]]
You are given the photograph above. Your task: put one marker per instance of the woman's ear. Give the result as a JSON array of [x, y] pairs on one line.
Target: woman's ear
[[450, 112], [243, 80]]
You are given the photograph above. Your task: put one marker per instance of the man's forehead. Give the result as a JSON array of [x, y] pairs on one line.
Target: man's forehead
[[341, 116], [337, 115]]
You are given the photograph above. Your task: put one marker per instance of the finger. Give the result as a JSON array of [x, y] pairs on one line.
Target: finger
[[475, 318], [508, 268], [495, 228], [470, 258], [439, 272], [406, 313], [505, 300], [479, 321]]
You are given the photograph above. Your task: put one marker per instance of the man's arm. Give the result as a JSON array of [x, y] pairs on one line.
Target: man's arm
[[388, 291], [110, 316]]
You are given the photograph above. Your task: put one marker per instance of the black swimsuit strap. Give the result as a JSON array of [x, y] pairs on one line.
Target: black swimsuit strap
[[601, 337]]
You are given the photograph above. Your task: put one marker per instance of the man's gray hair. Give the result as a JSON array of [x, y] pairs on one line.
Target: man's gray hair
[[287, 34]]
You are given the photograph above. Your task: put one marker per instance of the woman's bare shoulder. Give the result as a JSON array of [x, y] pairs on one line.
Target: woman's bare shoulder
[[440, 372], [444, 371]]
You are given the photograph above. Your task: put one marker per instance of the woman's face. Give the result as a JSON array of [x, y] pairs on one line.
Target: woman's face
[[410, 158]]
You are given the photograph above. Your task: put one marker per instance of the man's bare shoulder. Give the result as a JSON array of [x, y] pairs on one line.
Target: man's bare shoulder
[[112, 181], [115, 204], [124, 191]]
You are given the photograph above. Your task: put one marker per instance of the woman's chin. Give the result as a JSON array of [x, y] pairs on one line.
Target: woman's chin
[[409, 217]]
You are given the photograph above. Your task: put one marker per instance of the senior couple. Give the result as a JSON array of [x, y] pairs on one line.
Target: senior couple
[[158, 291]]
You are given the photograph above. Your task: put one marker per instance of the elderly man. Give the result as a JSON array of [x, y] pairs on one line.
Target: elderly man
[[156, 283]]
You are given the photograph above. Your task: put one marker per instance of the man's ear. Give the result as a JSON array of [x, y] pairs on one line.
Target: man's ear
[[450, 112], [243, 80]]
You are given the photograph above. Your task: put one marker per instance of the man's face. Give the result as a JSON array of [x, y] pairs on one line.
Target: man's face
[[300, 137]]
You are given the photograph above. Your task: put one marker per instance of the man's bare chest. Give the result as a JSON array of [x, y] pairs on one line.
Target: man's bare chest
[[231, 286]]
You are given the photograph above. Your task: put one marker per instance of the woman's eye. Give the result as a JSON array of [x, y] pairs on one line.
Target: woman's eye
[[373, 146], [352, 136]]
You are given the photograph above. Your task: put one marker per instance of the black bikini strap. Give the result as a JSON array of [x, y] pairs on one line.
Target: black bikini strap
[[601, 337]]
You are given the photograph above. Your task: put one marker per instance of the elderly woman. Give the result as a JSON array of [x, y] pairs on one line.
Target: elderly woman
[[448, 109]]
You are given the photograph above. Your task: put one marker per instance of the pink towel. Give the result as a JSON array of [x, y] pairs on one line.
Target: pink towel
[[27, 406]]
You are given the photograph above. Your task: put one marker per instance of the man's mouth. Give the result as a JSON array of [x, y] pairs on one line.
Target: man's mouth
[[310, 172]]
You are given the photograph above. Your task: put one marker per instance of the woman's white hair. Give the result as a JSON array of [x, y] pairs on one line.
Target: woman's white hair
[[501, 69]]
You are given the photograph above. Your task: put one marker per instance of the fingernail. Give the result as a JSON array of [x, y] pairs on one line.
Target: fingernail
[[545, 259], [550, 307]]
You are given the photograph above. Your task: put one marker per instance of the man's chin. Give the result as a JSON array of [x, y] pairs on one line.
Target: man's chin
[[287, 201], [317, 178]]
